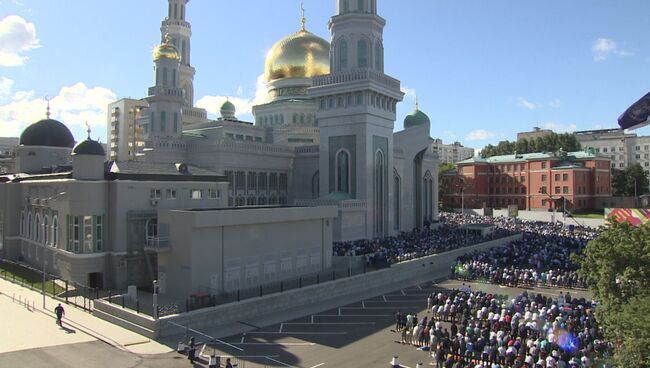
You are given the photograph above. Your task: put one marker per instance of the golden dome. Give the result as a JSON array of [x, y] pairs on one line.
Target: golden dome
[[166, 50], [300, 55]]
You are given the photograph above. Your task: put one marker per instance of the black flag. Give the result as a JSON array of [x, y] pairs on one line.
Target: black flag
[[636, 115]]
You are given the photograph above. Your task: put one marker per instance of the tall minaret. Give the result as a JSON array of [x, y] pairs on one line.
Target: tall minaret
[[356, 114], [180, 32]]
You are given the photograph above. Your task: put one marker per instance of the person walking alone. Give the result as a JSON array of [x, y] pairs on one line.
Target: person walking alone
[[60, 312]]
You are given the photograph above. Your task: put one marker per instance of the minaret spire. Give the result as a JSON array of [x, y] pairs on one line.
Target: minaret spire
[[303, 20], [88, 129], [417, 102], [47, 111]]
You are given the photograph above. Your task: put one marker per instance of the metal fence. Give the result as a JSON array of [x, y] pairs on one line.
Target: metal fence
[[69, 292]]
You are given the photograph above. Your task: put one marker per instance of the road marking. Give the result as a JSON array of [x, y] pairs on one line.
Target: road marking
[[419, 287], [401, 307], [330, 323], [279, 362], [384, 296], [363, 304], [317, 365], [339, 311], [354, 315], [280, 343], [403, 293], [312, 318], [243, 337]]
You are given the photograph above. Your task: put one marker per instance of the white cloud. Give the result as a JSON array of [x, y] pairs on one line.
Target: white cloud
[[559, 128], [603, 48], [244, 105], [409, 94], [449, 133], [16, 37], [5, 86], [479, 135], [74, 106], [527, 104]]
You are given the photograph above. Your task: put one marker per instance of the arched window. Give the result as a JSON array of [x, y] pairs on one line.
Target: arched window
[[46, 230], [173, 77], [343, 54], [379, 191], [165, 77], [378, 58], [295, 118], [343, 171], [302, 119], [362, 54], [183, 51], [315, 185], [55, 231], [29, 226], [360, 6], [282, 119], [37, 228], [22, 223], [396, 197]]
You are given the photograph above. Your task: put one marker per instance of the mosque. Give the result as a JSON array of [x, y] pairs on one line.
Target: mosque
[[325, 137], [177, 192]]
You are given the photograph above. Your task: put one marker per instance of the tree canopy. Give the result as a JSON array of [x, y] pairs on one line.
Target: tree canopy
[[616, 266], [549, 143], [624, 181]]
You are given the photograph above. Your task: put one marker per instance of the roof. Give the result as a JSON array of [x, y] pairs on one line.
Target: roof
[[89, 147], [578, 155], [416, 118], [47, 132], [135, 170]]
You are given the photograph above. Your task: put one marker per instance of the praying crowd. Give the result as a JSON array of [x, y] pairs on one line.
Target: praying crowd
[[414, 244], [465, 328], [542, 257]]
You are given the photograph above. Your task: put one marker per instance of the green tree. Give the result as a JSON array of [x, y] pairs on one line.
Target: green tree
[[549, 143], [443, 168], [616, 266], [630, 181]]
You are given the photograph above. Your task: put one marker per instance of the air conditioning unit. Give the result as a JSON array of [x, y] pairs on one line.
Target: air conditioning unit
[[154, 202]]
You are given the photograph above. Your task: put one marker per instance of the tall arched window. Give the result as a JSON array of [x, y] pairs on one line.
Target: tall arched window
[[37, 228], [46, 230], [378, 59], [379, 191], [427, 192], [22, 223], [295, 118], [315, 185], [346, 6], [302, 119], [55, 231], [343, 171], [360, 6], [343, 54], [396, 198], [362, 54], [164, 74], [29, 226], [173, 77]]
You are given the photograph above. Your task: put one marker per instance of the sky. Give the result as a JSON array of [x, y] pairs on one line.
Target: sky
[[482, 70]]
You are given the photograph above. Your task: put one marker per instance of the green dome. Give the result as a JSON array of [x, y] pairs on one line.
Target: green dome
[[416, 118], [228, 111], [228, 106]]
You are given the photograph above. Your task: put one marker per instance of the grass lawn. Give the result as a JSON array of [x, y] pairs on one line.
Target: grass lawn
[[589, 215], [33, 280]]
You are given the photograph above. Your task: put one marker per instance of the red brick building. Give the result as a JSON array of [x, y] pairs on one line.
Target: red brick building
[[532, 181]]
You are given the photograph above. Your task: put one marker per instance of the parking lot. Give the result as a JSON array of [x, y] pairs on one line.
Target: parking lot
[[360, 334]]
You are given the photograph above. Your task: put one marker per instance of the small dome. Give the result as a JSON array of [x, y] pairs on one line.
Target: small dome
[[89, 147], [228, 110], [47, 132], [300, 55], [166, 50], [416, 118]]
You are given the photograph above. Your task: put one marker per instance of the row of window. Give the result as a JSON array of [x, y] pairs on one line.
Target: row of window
[[363, 55], [162, 128], [39, 229], [257, 181], [256, 201], [347, 100], [278, 119], [241, 137], [515, 190], [361, 6], [269, 270], [171, 194]]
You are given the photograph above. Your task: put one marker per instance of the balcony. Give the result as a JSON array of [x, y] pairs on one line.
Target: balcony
[[157, 244]]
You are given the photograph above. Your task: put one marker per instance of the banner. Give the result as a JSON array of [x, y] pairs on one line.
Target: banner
[[635, 216]]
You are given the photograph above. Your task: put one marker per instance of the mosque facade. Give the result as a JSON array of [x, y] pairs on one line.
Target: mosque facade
[[326, 136]]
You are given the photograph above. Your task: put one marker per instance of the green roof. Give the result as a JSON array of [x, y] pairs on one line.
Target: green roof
[[578, 155]]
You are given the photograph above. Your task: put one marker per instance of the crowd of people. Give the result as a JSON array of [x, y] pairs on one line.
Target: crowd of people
[[541, 257], [465, 328], [414, 244]]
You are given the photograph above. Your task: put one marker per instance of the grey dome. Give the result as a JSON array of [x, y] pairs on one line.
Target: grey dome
[[47, 132], [89, 147]]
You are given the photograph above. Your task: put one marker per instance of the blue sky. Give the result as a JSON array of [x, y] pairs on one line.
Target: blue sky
[[483, 70]]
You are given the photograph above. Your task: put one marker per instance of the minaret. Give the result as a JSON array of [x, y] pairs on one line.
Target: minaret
[[180, 32], [356, 114], [165, 97]]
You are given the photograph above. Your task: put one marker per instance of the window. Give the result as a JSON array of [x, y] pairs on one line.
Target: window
[[99, 232], [343, 171], [346, 6], [75, 234], [638, 148], [213, 194], [55, 231], [349, 100], [543, 164], [557, 177], [46, 230], [284, 182], [604, 149], [565, 190], [359, 99], [542, 190], [29, 226], [544, 177], [360, 7], [175, 122], [88, 233], [522, 179], [343, 54], [171, 193], [557, 190], [37, 228], [196, 194], [378, 58], [565, 177], [362, 54], [155, 194], [22, 223]]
